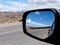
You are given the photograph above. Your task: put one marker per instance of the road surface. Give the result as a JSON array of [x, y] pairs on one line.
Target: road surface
[[13, 35], [41, 33]]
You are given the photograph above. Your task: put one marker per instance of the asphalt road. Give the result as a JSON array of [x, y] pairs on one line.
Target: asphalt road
[[41, 33], [13, 35]]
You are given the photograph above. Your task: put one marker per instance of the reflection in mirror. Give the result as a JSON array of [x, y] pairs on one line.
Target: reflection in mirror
[[40, 24]]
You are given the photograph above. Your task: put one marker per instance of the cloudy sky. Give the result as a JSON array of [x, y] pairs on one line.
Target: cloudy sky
[[23, 5], [40, 19]]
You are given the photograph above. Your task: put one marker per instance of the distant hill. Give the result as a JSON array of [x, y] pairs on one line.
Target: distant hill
[[10, 16]]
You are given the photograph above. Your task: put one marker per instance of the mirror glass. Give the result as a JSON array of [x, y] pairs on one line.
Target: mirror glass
[[40, 23]]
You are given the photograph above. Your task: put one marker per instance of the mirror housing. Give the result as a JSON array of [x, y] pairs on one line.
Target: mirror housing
[[51, 39]]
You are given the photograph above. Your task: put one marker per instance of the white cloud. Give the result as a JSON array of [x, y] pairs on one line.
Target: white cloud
[[30, 22], [18, 6], [37, 13], [15, 6], [33, 0], [45, 4], [35, 4], [37, 0], [1, 5], [6, 8]]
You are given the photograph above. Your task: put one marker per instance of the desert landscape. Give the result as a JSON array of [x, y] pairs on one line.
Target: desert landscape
[[9, 17]]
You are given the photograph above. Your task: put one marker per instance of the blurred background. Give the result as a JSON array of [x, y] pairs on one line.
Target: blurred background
[[11, 12]]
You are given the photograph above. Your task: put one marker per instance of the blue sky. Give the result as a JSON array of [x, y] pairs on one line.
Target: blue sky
[[40, 19], [13, 5], [24, 5]]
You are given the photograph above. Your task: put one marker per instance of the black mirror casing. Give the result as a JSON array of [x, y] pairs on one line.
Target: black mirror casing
[[52, 38]]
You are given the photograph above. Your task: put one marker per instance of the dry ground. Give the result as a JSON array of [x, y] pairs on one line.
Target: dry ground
[[10, 17]]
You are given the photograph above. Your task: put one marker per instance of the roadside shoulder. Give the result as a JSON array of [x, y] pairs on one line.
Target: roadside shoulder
[[10, 24]]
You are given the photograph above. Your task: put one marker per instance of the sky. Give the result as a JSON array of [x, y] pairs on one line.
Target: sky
[[40, 19], [24, 5]]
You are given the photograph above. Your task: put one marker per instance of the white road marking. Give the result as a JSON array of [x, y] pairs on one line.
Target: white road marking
[[9, 32], [10, 24]]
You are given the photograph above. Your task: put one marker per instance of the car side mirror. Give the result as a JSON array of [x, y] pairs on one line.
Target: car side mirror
[[40, 24]]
